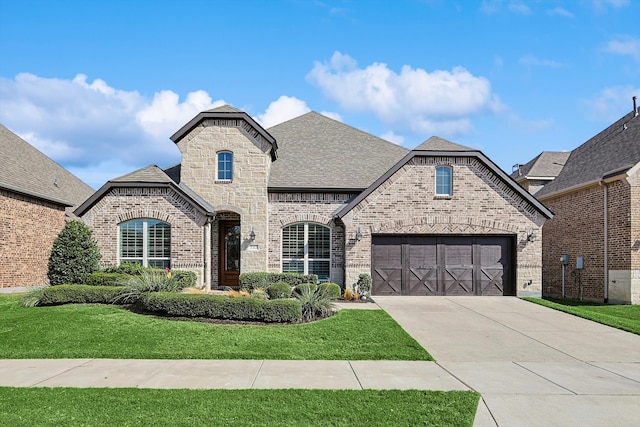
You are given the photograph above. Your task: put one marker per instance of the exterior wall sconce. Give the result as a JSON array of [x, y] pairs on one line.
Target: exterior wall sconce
[[531, 236], [358, 235], [252, 235]]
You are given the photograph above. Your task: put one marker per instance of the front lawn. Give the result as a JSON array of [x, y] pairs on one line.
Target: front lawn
[[108, 331], [625, 317], [144, 407]]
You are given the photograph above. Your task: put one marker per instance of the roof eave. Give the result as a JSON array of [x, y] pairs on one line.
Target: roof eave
[[340, 190], [36, 195]]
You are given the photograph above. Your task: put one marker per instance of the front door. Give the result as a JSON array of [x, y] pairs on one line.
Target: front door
[[229, 253]]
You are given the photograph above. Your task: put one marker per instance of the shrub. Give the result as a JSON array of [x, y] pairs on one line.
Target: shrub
[[333, 290], [279, 290], [187, 279], [130, 268], [263, 280], [149, 281], [260, 294], [81, 294], [303, 287], [315, 302], [74, 255], [106, 279], [363, 286], [348, 294], [221, 307]]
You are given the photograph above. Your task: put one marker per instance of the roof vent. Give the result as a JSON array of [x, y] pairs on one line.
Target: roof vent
[[635, 109]]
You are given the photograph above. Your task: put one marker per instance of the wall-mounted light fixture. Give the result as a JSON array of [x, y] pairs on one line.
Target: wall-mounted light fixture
[[358, 235], [531, 236], [252, 235]]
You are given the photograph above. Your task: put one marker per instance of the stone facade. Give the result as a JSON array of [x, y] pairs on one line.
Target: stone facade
[[28, 227], [246, 194], [164, 204], [480, 204]]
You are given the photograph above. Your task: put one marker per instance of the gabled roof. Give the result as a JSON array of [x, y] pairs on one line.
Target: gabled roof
[[25, 170], [316, 152], [546, 165], [227, 112], [148, 177], [469, 152], [435, 143], [614, 150]]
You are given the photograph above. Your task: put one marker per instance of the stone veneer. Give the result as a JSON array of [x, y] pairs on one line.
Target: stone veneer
[[245, 195], [481, 203], [164, 204], [28, 227]]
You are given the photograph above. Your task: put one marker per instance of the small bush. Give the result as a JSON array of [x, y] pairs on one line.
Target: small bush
[[333, 290], [348, 294], [260, 294], [279, 290], [74, 255], [130, 268], [78, 294], [303, 287], [263, 280], [186, 279], [106, 279], [315, 302], [149, 281], [363, 286], [221, 307]]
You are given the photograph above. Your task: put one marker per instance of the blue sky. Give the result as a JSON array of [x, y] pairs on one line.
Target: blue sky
[[100, 86]]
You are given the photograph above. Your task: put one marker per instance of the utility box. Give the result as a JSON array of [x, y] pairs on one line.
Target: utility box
[[564, 259], [579, 263]]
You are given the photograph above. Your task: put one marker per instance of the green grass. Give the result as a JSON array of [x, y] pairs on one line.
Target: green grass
[[144, 407], [106, 331], [625, 317]]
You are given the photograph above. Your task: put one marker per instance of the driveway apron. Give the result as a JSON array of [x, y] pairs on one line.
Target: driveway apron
[[534, 366]]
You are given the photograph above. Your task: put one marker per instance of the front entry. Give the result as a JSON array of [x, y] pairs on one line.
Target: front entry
[[229, 253]]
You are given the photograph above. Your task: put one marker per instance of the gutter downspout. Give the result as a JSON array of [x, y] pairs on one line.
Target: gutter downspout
[[207, 255], [606, 241]]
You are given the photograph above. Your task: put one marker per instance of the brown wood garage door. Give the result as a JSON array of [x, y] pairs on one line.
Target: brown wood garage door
[[442, 265]]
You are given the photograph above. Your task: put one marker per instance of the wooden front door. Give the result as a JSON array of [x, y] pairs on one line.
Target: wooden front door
[[229, 253]]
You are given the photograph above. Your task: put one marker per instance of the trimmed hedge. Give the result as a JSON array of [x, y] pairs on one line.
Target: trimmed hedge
[[187, 279], [333, 290], [107, 279], [222, 307], [130, 268], [279, 290], [249, 281], [78, 294]]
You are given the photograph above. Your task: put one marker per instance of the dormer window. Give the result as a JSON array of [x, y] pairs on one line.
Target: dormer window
[[225, 166], [443, 181]]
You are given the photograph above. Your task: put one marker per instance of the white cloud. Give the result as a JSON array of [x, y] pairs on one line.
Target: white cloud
[[519, 7], [332, 115], [494, 6], [414, 100], [281, 110], [611, 103], [392, 137], [601, 4], [532, 61], [559, 11], [625, 46]]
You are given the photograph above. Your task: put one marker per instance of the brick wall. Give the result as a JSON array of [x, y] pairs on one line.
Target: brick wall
[[290, 208], [28, 228], [480, 204], [164, 204]]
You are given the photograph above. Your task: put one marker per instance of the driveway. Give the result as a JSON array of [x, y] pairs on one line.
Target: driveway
[[534, 366]]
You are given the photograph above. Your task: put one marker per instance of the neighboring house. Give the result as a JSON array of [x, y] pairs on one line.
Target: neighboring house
[[596, 202], [540, 171], [34, 193], [315, 196]]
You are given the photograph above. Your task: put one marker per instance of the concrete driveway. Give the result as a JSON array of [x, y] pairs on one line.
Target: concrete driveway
[[533, 366]]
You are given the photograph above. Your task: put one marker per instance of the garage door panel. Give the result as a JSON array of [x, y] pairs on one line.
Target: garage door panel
[[387, 281], [423, 281], [458, 280]]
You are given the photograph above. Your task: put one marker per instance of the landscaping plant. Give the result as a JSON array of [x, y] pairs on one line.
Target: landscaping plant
[[148, 281], [315, 301], [74, 255]]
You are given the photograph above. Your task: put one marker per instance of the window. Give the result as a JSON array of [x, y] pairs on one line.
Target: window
[[225, 166], [443, 181], [146, 242], [306, 249]]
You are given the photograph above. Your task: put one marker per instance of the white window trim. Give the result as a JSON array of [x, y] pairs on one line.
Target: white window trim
[[218, 179], [450, 193], [145, 243], [306, 259]]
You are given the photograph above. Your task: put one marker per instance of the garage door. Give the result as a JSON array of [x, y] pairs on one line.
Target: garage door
[[442, 265]]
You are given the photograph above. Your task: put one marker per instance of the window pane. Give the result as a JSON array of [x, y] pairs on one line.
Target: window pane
[[232, 247], [443, 180], [159, 263], [293, 241], [293, 266], [319, 241], [225, 166], [321, 268], [159, 239], [131, 239]]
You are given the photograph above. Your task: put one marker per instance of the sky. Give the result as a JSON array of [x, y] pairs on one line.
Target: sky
[[100, 86]]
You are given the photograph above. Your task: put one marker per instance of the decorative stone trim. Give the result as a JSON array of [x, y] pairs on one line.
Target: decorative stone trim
[[144, 213], [445, 224], [305, 217]]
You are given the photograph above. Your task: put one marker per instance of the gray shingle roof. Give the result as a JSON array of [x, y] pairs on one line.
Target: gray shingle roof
[[316, 152], [435, 143], [616, 148], [26, 170], [547, 164], [225, 109], [150, 173]]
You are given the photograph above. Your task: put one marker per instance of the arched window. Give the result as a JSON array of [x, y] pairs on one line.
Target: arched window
[[306, 249], [225, 166], [146, 242], [443, 181]]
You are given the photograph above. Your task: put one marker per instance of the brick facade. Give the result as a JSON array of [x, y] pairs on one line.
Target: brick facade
[[28, 227], [480, 204]]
